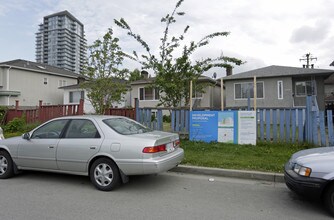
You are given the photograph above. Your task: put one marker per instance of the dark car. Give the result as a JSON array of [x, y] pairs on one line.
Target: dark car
[[310, 173]]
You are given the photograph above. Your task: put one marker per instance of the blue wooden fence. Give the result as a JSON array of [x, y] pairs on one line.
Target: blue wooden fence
[[275, 125]]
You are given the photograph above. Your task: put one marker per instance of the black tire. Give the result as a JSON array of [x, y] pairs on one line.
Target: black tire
[[6, 165], [104, 174], [329, 199]]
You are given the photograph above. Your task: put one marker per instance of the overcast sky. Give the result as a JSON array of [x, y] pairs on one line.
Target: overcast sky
[[262, 32]]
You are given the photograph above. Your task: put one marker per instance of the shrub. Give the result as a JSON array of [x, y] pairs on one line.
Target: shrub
[[166, 118], [15, 125]]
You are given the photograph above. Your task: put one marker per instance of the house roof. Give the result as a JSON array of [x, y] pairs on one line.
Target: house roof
[[39, 67], [275, 71], [151, 79]]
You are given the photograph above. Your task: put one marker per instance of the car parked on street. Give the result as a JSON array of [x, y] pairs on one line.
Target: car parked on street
[[108, 149], [310, 173]]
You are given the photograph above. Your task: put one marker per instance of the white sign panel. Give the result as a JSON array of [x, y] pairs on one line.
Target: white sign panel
[[247, 127]]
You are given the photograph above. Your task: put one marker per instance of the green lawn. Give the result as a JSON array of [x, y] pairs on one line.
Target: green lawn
[[262, 157]]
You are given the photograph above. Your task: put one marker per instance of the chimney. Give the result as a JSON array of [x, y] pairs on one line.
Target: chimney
[[228, 71], [144, 74]]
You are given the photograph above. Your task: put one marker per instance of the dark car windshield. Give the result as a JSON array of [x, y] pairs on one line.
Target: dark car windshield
[[126, 126]]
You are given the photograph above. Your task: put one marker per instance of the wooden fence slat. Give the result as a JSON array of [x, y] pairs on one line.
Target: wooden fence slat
[[173, 121], [261, 125], [330, 127], [274, 125], [315, 128], [182, 120], [160, 120], [177, 121], [268, 122], [287, 125], [322, 128], [281, 125], [293, 125], [300, 126]]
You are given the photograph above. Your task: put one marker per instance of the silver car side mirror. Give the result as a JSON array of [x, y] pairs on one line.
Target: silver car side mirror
[[26, 136]]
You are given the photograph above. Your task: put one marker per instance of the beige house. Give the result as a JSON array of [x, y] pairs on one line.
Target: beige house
[[28, 82], [149, 97], [73, 94]]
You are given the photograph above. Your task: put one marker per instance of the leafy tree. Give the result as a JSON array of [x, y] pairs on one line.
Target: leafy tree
[[107, 81], [135, 75], [174, 72]]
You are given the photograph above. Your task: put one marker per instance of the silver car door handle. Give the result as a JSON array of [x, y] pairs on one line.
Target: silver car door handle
[[51, 146], [92, 147]]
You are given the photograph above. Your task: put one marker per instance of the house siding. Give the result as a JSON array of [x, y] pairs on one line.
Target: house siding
[[31, 87], [270, 99]]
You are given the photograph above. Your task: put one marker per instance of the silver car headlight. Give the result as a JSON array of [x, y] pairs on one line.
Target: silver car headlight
[[301, 170]]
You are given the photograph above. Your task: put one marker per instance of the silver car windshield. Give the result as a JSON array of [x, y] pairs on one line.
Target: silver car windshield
[[126, 126]]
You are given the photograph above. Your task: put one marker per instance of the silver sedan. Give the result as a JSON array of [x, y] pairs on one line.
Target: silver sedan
[[108, 149]]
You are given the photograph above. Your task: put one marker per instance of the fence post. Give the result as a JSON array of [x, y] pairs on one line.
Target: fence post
[[40, 111], [16, 105], [137, 115], [81, 107], [308, 122]]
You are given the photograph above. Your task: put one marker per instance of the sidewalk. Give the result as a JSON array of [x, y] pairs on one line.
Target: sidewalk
[[255, 175]]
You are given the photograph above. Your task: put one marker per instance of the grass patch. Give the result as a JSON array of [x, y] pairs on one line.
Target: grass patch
[[269, 157]]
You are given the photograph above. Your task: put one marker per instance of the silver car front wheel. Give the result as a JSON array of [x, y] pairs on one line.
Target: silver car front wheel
[[104, 174], [6, 165]]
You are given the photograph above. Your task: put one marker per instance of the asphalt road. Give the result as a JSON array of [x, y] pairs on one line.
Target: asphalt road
[[34, 195]]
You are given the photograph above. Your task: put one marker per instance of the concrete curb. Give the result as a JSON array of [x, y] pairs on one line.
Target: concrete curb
[[242, 174]]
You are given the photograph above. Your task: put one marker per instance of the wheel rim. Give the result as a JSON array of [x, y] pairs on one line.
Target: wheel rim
[[103, 174], [3, 165]]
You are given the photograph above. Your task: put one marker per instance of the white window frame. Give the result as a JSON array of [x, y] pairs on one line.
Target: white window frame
[[258, 82], [280, 87], [82, 96], [61, 83], [305, 93], [45, 81], [154, 95]]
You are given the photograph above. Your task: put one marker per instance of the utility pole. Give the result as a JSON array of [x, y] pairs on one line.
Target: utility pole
[[308, 58]]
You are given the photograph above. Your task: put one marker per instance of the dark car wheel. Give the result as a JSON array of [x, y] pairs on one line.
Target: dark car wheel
[[329, 199], [6, 165], [104, 174]]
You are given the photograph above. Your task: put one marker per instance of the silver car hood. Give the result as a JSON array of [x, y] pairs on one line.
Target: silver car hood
[[318, 159]]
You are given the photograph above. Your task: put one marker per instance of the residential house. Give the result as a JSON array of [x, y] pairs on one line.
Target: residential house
[[149, 97], [28, 82], [277, 87], [73, 94]]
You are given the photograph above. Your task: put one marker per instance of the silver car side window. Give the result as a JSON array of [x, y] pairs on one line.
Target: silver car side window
[[51, 130], [82, 128]]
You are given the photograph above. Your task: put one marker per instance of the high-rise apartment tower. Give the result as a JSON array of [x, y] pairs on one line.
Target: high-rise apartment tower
[[61, 42]]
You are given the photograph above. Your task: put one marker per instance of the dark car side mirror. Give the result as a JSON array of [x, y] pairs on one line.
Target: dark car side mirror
[[26, 136]]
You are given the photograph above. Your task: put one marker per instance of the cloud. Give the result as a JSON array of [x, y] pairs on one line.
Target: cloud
[[309, 34]]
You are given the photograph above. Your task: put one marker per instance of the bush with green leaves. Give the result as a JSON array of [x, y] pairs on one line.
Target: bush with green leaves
[[15, 125], [166, 118]]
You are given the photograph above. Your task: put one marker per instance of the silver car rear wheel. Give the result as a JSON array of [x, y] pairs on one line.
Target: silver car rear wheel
[[104, 174]]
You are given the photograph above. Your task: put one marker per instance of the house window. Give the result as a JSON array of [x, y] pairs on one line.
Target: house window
[[61, 83], [245, 90], [75, 96], [148, 94], [45, 81], [304, 88], [280, 89], [197, 95]]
